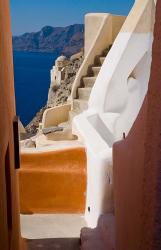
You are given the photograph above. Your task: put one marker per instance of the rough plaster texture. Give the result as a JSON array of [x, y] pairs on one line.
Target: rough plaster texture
[[56, 115], [102, 237], [140, 168], [152, 163], [128, 184], [114, 104], [53, 182], [9, 217], [93, 22], [99, 35], [137, 164]]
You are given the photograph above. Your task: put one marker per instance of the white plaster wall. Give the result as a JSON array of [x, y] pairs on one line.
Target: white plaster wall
[[55, 76], [52, 74], [99, 35], [114, 104], [94, 45], [99, 167], [93, 22], [56, 115], [123, 61], [120, 92]]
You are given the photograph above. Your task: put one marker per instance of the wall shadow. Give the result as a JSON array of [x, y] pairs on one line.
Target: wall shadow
[[54, 244]]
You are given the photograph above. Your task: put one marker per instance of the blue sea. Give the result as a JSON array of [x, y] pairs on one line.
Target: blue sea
[[32, 81]]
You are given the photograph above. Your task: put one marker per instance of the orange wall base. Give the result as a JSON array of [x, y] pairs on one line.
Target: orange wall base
[[53, 182]]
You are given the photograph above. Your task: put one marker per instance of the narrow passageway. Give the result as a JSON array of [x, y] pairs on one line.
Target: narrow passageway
[[98, 190]]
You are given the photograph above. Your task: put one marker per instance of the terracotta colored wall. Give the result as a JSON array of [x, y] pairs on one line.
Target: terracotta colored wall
[[137, 168], [53, 182], [9, 217]]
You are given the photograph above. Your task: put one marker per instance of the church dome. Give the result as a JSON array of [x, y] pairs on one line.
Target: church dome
[[61, 59]]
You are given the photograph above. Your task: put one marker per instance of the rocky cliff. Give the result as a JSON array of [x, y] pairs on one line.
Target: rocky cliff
[[60, 40], [59, 95]]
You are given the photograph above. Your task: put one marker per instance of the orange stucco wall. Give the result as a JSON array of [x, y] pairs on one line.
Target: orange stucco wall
[[9, 209], [53, 182], [137, 168]]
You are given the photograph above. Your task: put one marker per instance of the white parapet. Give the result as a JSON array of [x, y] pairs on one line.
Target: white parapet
[[114, 104], [100, 32], [56, 115]]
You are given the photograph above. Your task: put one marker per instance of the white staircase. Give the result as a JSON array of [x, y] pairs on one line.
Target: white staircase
[[83, 92]]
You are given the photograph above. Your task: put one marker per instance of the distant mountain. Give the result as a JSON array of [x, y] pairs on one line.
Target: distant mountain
[[61, 40]]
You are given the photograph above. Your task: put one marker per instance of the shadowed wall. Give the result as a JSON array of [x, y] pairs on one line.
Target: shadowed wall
[[9, 211], [137, 168]]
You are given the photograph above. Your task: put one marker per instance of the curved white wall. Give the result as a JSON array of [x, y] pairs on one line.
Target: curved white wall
[[114, 104], [100, 32]]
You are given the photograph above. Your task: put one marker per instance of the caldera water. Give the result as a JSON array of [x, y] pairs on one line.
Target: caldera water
[[32, 81]]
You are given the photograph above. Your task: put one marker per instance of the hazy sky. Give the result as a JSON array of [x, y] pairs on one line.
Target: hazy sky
[[32, 15]]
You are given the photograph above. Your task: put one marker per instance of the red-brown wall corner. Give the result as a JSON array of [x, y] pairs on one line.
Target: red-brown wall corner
[[128, 185], [9, 206], [137, 167]]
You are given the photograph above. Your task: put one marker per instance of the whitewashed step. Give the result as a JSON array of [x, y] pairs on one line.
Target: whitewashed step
[[72, 114], [84, 93], [80, 105], [65, 125], [50, 226], [96, 70], [89, 81], [102, 58]]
